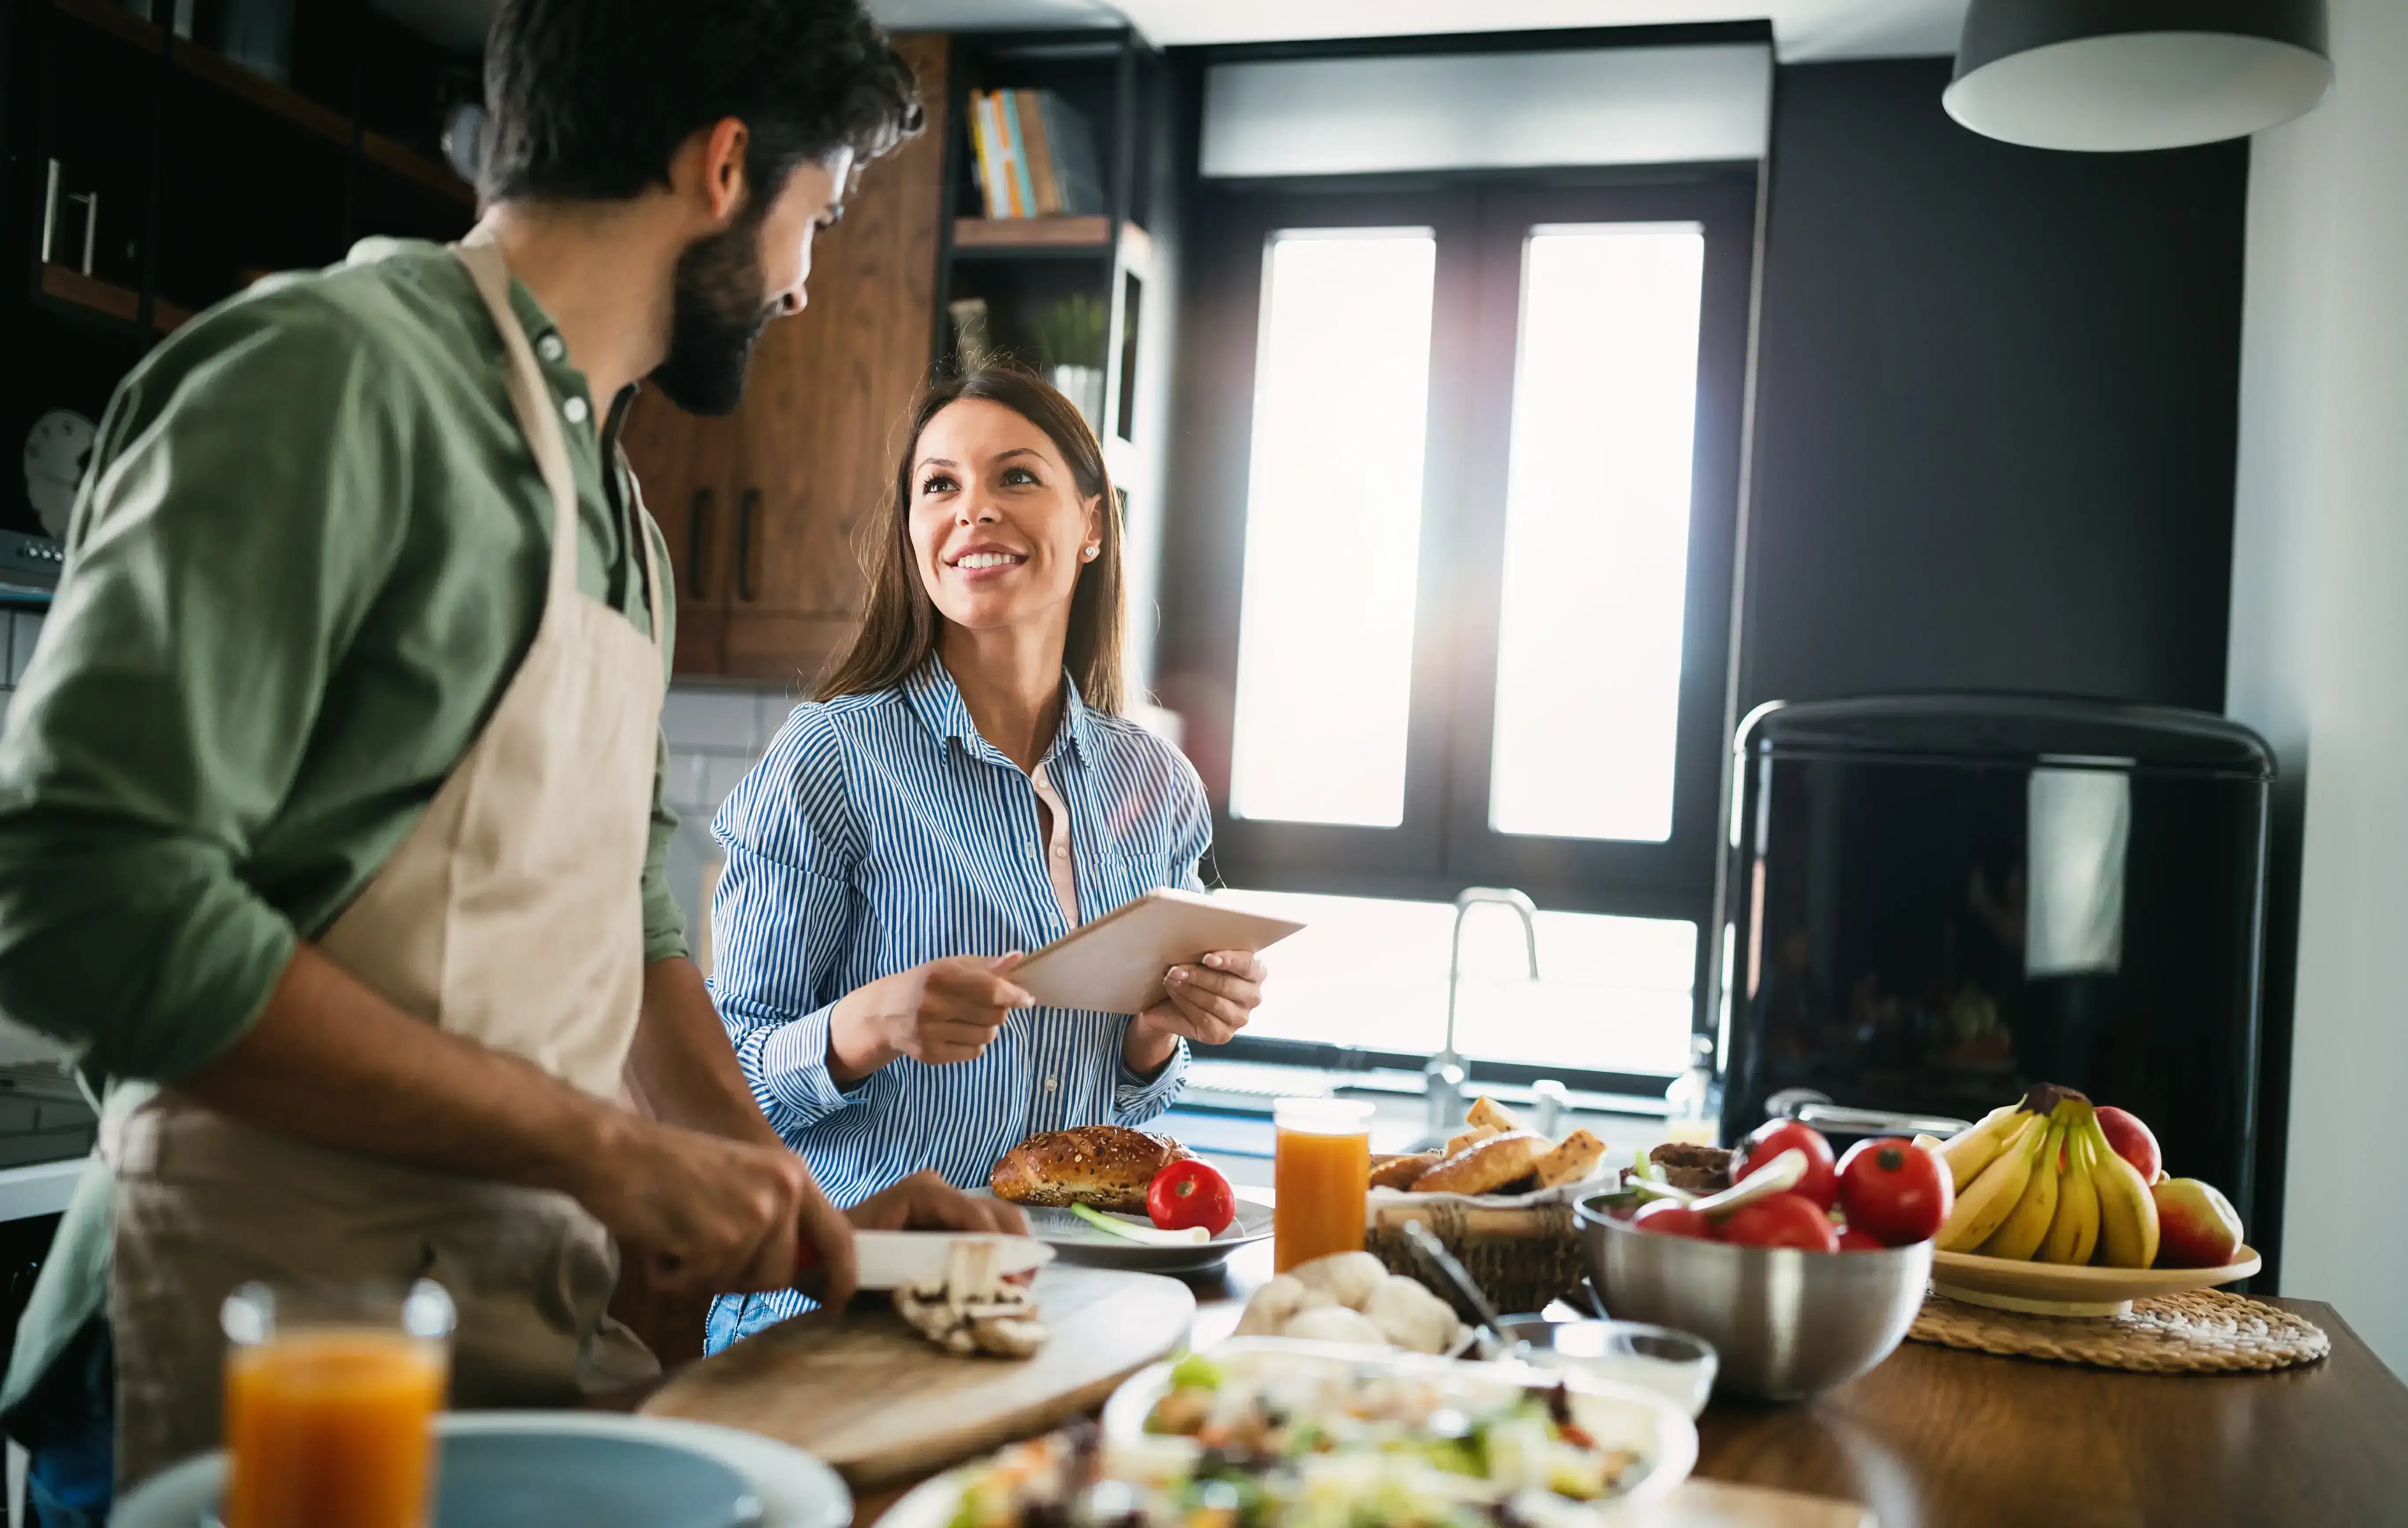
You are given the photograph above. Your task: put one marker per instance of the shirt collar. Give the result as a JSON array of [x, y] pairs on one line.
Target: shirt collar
[[937, 701]]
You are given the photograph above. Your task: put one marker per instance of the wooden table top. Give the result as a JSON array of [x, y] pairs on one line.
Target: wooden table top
[[1938, 1438]]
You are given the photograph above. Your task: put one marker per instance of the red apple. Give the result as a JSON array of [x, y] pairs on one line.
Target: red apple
[[1662, 1217], [2133, 1142], [2197, 1226]]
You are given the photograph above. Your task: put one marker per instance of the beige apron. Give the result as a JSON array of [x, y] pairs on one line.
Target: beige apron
[[512, 915]]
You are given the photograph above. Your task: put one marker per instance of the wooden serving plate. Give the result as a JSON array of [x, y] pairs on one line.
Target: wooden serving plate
[[2050, 1289]]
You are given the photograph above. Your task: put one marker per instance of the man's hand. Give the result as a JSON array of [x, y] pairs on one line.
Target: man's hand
[[924, 1202], [715, 1216]]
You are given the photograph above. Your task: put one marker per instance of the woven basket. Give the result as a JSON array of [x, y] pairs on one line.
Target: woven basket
[[1523, 1259]]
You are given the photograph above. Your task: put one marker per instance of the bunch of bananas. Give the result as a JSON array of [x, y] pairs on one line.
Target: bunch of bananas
[[2038, 1181]]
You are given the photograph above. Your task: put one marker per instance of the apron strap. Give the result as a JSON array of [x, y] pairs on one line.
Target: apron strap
[[531, 400], [638, 518]]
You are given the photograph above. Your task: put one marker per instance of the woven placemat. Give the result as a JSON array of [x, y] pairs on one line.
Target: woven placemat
[[2201, 1332]]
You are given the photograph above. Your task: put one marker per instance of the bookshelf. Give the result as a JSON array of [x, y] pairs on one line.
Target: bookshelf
[[1023, 270], [145, 176]]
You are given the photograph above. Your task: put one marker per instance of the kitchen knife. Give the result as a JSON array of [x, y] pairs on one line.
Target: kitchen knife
[[891, 1260]]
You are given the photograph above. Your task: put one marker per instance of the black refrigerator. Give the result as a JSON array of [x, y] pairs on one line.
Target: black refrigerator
[[1937, 900]]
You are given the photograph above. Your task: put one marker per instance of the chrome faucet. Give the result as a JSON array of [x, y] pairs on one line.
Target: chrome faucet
[[1442, 1079]]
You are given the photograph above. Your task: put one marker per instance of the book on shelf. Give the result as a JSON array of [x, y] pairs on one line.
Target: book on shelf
[[1040, 156], [1023, 190], [1035, 156]]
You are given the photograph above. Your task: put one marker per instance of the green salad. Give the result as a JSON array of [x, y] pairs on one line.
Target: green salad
[[1309, 1443]]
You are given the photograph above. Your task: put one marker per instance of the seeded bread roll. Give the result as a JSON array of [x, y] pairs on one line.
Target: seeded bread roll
[[1107, 1166], [1484, 1168], [1401, 1171]]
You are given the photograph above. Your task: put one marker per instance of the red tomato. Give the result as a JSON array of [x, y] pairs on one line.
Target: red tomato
[[1191, 1193], [1775, 1136], [1895, 1190], [1857, 1241], [1781, 1220], [1662, 1217]]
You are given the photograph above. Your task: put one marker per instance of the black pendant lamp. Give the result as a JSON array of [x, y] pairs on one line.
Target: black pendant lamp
[[2125, 75]]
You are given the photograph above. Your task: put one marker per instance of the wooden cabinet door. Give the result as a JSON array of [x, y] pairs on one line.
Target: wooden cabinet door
[[687, 468], [827, 399]]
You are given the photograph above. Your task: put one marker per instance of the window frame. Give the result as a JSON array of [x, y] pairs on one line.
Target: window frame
[[1444, 843]]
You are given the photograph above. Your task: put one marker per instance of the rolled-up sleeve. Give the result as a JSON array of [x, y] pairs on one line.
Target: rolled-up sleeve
[[1136, 1100], [781, 922], [241, 522]]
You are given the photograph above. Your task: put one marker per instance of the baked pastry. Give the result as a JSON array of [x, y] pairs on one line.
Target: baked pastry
[[1401, 1171], [1107, 1166], [1487, 1114], [1699, 1169], [1485, 1168], [1471, 1137], [1575, 1158]]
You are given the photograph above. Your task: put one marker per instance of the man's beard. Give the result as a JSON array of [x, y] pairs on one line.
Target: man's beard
[[720, 309]]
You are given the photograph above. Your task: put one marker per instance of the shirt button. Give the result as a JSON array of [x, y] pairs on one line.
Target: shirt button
[[1061, 853], [551, 348], [1049, 1084], [576, 410]]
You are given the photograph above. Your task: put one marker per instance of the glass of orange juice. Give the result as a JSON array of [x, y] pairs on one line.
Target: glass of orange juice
[[1321, 1174], [330, 1400]]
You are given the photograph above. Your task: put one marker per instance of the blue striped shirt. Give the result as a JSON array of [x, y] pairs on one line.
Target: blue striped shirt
[[881, 832]]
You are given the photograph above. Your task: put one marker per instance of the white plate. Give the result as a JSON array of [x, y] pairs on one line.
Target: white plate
[[1616, 1415], [893, 1260], [795, 1490], [1078, 1242], [930, 1504], [2052, 1289]]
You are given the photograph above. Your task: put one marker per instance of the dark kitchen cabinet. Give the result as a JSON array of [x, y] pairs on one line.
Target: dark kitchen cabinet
[[761, 510]]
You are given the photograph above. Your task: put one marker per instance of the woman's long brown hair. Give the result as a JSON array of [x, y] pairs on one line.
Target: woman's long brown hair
[[899, 623]]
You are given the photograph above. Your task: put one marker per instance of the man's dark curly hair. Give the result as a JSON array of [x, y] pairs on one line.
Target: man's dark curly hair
[[591, 98]]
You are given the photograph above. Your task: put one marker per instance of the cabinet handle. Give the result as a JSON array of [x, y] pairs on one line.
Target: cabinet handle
[[745, 510], [697, 542]]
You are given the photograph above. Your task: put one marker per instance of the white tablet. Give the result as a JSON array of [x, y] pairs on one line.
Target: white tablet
[[1115, 964]]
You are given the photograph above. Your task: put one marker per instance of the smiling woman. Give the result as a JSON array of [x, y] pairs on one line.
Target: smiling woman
[[963, 789]]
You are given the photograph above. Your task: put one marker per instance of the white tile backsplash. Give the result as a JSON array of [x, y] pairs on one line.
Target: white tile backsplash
[[721, 776], [776, 706], [715, 719], [715, 735]]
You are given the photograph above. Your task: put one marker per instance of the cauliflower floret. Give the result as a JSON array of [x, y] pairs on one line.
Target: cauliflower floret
[[1277, 1303], [1336, 1324], [1349, 1277], [1411, 1317]]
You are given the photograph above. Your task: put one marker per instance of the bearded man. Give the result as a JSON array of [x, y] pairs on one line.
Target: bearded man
[[330, 824]]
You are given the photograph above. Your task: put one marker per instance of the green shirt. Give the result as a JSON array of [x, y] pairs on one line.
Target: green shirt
[[312, 553]]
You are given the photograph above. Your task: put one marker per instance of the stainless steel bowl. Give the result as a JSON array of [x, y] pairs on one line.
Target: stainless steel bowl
[[1785, 1323]]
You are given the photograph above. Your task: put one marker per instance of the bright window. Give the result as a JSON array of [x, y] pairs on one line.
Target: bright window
[[1597, 531], [1614, 993], [1333, 527]]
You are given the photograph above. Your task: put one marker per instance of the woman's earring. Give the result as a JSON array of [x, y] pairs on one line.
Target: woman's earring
[[1089, 554]]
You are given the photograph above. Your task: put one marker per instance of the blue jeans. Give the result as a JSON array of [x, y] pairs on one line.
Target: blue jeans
[[68, 1426]]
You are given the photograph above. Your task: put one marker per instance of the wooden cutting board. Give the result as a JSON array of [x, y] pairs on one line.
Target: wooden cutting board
[[879, 1401]]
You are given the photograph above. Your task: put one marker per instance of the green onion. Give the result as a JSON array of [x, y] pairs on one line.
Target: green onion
[[1147, 1236]]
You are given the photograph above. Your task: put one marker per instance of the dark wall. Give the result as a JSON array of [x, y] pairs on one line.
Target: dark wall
[[1996, 393]]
